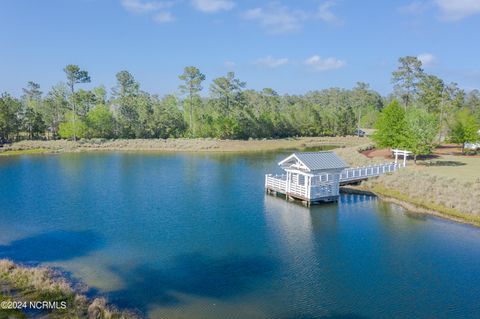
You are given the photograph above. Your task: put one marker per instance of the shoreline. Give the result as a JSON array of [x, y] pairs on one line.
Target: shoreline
[[412, 205], [347, 147], [178, 145], [24, 286]]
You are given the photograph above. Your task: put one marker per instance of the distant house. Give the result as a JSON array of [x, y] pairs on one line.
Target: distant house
[[360, 133], [473, 145], [369, 131]]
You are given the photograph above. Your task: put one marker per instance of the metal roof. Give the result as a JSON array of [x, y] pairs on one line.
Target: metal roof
[[316, 161]]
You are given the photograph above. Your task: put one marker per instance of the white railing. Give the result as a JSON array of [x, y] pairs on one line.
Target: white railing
[[359, 173], [279, 183], [298, 190], [276, 182], [326, 185]]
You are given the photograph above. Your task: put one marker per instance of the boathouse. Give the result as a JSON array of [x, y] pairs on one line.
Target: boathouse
[[311, 177], [316, 176]]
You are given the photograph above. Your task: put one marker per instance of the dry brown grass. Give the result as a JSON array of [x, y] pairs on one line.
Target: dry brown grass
[[39, 278], [20, 283], [184, 145], [445, 194], [354, 158]]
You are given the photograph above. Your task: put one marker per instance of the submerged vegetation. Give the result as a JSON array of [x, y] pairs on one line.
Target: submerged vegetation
[[26, 284]]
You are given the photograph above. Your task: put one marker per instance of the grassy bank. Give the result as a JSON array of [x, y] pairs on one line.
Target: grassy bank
[[24, 152], [448, 186], [412, 204], [180, 145], [437, 195], [26, 284], [424, 206]]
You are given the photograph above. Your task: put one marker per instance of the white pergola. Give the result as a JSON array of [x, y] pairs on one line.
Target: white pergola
[[403, 153]]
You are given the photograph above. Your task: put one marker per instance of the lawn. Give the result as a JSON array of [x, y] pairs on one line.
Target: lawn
[[448, 162], [463, 168]]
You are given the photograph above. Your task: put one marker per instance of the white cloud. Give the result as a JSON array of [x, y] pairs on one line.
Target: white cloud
[[454, 10], [164, 17], [210, 6], [280, 19], [325, 13], [229, 64], [272, 63], [277, 19], [427, 59], [139, 6], [415, 7], [450, 10], [317, 63]]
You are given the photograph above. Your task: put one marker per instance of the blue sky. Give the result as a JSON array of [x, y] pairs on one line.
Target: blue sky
[[291, 46]]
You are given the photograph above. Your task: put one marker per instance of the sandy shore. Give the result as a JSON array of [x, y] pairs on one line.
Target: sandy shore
[[180, 145]]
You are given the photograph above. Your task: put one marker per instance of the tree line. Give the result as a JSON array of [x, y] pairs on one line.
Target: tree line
[[229, 111]]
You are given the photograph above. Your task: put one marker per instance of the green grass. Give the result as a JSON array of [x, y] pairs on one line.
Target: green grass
[[24, 152], [462, 168]]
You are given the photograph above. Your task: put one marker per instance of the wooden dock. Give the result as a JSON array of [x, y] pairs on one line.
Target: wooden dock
[[322, 189]]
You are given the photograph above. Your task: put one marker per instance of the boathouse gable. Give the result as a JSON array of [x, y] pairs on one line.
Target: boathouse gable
[[314, 162]]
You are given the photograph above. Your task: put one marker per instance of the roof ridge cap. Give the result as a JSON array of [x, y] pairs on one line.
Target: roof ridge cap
[[314, 152]]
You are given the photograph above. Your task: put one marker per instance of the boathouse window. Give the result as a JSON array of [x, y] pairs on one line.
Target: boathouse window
[[301, 180]]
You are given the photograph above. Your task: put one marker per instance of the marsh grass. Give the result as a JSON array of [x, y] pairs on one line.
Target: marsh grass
[[422, 203], [20, 283], [447, 195], [24, 151], [184, 144]]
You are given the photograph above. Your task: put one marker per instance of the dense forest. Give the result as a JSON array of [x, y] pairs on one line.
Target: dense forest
[[230, 111]]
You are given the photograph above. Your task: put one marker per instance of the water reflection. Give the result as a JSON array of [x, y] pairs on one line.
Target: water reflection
[[194, 236], [291, 222]]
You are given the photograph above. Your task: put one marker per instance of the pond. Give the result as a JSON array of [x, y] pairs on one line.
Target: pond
[[195, 236]]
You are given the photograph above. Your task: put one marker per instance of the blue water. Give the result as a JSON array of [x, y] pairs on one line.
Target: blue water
[[194, 236]]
